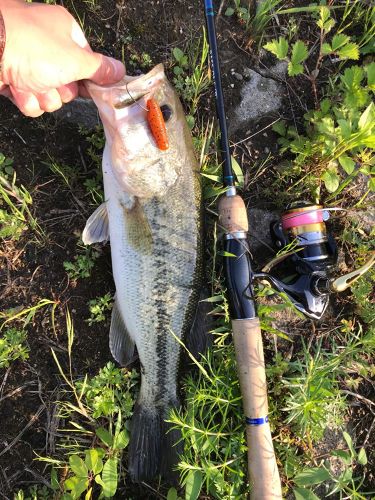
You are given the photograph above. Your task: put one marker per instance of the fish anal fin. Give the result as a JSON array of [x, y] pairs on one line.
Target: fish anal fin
[[122, 346], [139, 234], [97, 227]]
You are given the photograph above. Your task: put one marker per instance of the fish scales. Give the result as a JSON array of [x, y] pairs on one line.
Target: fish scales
[[154, 226]]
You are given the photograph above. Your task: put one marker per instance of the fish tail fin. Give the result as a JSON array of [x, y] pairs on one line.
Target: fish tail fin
[[151, 447], [172, 446]]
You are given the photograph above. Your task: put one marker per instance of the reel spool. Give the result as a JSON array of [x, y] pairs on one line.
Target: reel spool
[[304, 271]]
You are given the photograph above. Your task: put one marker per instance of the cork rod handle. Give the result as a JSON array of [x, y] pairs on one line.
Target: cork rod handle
[[264, 475]]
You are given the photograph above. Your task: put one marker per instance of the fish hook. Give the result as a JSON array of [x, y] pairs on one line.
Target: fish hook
[[132, 98]]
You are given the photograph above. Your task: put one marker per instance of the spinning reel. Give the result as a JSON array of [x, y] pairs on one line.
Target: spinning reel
[[304, 272]]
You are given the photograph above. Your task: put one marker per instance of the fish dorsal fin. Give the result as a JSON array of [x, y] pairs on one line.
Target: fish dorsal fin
[[120, 343], [138, 228], [97, 227]]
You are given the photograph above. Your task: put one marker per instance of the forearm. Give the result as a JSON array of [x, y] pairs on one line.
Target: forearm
[[10, 10]]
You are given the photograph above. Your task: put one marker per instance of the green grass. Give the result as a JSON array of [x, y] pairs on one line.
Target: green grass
[[13, 346], [314, 377]]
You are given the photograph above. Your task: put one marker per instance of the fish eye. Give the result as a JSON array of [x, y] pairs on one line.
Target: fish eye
[[166, 112]]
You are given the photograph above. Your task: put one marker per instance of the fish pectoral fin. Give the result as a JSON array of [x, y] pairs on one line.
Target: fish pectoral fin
[[97, 227], [198, 339], [138, 228], [122, 346]]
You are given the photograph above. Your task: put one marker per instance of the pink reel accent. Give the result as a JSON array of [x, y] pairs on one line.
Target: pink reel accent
[[301, 218]]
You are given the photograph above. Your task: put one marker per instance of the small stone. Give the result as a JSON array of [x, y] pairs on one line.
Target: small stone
[[247, 72], [237, 76], [232, 85], [266, 150]]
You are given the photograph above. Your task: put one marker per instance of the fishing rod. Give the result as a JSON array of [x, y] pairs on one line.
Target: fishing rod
[[263, 472], [303, 273]]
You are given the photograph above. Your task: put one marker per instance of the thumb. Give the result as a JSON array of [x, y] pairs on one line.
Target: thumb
[[103, 70]]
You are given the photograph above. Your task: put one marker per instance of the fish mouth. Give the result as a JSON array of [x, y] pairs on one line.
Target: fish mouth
[[129, 98]]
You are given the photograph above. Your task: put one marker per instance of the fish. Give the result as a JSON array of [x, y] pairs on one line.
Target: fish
[[152, 216]]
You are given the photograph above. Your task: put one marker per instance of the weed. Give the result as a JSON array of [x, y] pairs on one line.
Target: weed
[[192, 76], [94, 184], [262, 18], [212, 429], [142, 61], [255, 24], [339, 134], [98, 308], [344, 485], [16, 217], [26, 314], [314, 399], [99, 411], [6, 166], [34, 492], [68, 174], [83, 263], [340, 46], [12, 346], [241, 12]]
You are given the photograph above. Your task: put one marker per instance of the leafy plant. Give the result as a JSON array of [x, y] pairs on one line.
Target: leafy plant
[[103, 393], [12, 346], [83, 263], [314, 400], [6, 166], [192, 75], [255, 22], [345, 485], [242, 13], [98, 308], [97, 414], [212, 429], [15, 214], [142, 60], [340, 46], [340, 134], [94, 183], [98, 466]]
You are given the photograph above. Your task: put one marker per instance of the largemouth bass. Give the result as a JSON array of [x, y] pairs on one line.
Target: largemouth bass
[[152, 216]]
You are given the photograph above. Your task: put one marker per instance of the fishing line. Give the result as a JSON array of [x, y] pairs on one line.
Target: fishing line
[[132, 98]]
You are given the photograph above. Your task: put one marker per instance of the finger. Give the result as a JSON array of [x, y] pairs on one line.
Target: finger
[[68, 92], [49, 101], [101, 69], [82, 90], [78, 37], [26, 102], [5, 91]]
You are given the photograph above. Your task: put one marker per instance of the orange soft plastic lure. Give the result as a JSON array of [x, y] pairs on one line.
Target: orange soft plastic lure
[[157, 125]]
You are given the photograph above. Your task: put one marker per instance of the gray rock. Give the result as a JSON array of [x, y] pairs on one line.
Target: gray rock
[[259, 232], [260, 97], [81, 112]]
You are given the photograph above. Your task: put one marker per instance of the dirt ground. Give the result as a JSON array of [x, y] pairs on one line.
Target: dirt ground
[[32, 270]]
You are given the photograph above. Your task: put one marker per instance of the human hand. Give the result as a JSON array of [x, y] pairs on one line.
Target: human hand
[[46, 55]]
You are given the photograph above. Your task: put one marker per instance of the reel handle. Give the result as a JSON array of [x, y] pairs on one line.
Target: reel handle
[[263, 472]]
